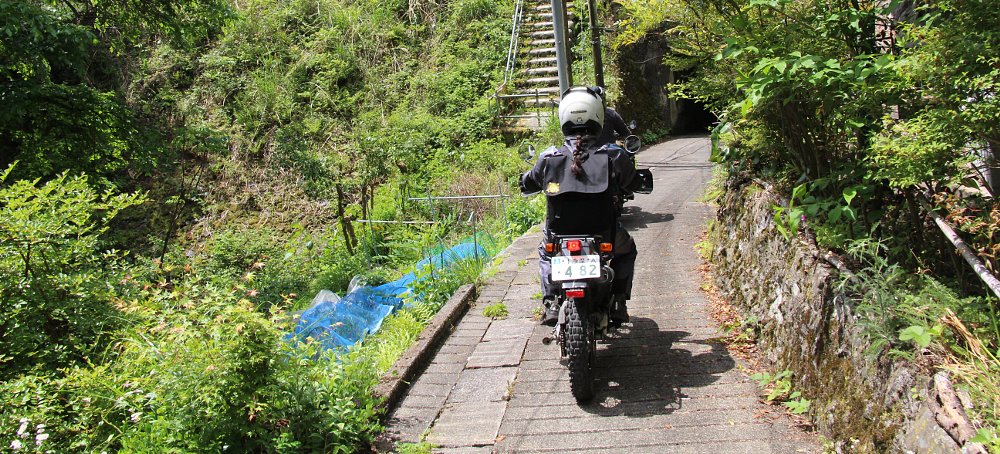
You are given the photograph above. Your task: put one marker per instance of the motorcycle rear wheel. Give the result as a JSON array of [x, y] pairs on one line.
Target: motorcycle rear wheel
[[580, 343]]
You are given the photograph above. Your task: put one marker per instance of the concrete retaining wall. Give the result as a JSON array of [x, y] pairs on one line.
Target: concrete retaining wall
[[807, 325]]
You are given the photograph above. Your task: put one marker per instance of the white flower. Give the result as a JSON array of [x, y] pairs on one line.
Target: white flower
[[40, 438], [24, 428], [15, 445], [135, 416], [40, 427]]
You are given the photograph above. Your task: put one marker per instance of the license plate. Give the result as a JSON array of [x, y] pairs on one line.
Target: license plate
[[575, 267]]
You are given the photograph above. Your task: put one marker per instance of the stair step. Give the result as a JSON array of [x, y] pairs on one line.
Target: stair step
[[543, 51], [524, 115], [540, 34], [540, 24], [542, 70], [541, 42], [538, 61], [548, 6], [547, 17], [542, 80], [534, 123]]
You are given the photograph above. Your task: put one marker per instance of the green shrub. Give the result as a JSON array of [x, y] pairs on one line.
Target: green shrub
[[57, 282], [523, 213]]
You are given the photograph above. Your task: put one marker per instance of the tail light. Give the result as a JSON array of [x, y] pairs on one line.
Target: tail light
[[573, 245], [607, 247], [550, 247], [574, 293]]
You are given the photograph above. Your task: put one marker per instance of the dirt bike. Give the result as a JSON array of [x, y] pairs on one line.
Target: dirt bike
[[580, 268]]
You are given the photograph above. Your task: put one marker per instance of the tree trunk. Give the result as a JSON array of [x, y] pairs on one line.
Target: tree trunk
[[345, 224]]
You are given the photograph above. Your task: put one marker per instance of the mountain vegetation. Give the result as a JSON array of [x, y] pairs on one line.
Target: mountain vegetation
[[868, 114], [180, 177]]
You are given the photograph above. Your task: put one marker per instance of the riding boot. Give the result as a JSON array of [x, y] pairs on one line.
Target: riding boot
[[619, 312], [551, 314]]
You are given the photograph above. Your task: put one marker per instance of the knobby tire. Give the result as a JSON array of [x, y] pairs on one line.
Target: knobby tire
[[579, 348]]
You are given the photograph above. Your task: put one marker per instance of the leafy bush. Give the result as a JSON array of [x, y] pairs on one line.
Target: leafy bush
[[202, 373], [236, 120], [523, 213], [57, 283], [855, 110]]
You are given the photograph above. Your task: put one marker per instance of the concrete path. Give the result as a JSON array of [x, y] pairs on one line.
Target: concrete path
[[663, 384]]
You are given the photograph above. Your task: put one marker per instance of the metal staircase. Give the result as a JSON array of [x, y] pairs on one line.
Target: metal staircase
[[530, 91]]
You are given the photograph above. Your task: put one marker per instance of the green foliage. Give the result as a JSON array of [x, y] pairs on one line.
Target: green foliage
[[797, 404], [948, 77], [921, 335], [812, 95], [497, 310], [415, 448], [920, 150], [898, 306], [780, 389], [433, 287], [238, 120], [57, 281], [988, 437], [200, 371], [523, 213], [63, 108], [780, 383]]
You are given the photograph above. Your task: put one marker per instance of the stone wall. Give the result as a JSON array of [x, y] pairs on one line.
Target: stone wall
[[806, 324]]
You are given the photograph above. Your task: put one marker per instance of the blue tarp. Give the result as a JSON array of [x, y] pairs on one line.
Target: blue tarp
[[341, 322]]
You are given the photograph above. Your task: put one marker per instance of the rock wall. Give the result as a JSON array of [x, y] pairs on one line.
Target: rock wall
[[807, 325], [644, 78], [645, 95]]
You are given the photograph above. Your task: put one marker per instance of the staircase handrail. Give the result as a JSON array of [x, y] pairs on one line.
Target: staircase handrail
[[515, 33]]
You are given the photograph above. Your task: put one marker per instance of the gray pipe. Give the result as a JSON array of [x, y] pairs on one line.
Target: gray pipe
[[562, 47]]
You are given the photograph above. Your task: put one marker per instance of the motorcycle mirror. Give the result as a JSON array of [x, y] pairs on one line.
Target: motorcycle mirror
[[632, 124], [633, 144]]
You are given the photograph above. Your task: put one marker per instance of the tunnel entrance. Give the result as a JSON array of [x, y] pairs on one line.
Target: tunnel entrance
[[692, 118], [645, 82]]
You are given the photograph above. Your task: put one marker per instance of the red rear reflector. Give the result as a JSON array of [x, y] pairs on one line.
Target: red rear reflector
[[550, 247], [574, 293], [573, 245], [607, 247]]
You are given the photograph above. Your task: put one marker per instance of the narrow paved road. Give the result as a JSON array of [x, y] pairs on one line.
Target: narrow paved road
[[663, 384]]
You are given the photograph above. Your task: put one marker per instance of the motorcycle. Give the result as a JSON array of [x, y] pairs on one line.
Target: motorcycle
[[580, 267]]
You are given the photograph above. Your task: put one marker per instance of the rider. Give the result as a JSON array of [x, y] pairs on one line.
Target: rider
[[613, 122], [580, 180]]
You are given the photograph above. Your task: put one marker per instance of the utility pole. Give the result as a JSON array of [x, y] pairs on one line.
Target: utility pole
[[562, 47], [595, 41]]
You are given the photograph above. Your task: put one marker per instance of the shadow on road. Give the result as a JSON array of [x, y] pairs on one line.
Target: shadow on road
[[634, 217], [643, 371]]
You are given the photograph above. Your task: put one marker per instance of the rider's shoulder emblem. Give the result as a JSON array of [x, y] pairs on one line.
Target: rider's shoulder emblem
[[553, 188]]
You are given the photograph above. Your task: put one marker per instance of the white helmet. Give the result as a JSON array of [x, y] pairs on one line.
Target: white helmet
[[581, 111]]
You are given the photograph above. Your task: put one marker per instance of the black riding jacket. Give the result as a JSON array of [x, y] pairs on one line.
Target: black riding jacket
[[584, 205]]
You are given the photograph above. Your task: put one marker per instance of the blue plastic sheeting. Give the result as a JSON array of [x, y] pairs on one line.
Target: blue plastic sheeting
[[342, 322]]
